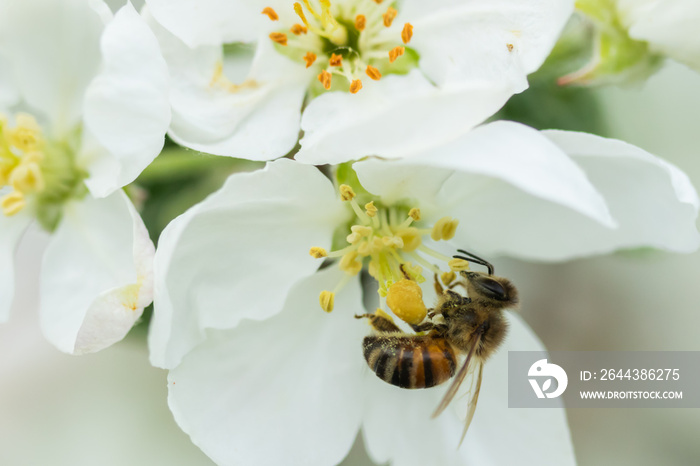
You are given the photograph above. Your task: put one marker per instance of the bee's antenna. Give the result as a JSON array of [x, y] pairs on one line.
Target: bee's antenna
[[475, 259]]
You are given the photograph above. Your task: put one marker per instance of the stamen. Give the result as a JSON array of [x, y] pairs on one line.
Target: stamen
[[12, 203], [300, 13], [355, 86], [349, 263], [360, 22], [407, 33], [411, 238], [279, 37], [389, 16], [444, 229], [317, 252], [371, 209], [373, 73], [346, 192], [414, 213], [510, 47], [272, 14], [309, 58], [325, 78], [405, 299], [335, 60], [311, 10], [395, 53], [298, 29], [27, 177], [458, 265], [326, 299]]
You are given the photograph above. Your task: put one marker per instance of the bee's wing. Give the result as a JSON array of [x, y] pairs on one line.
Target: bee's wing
[[472, 403], [459, 378]]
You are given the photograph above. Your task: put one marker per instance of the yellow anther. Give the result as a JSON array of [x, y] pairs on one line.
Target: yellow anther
[[26, 135], [392, 241], [360, 22], [372, 269], [380, 313], [327, 18], [272, 14], [325, 78], [361, 230], [298, 29], [411, 239], [389, 16], [444, 229], [407, 33], [26, 177], [326, 299], [448, 277], [364, 249], [346, 192], [395, 53], [378, 2], [458, 265], [405, 299], [371, 209], [279, 37], [373, 73], [317, 252], [349, 263], [414, 214], [355, 86], [309, 58], [335, 60], [510, 47], [12, 203], [377, 245]]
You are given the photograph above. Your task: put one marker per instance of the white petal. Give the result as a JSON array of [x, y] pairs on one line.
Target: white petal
[[286, 390], [213, 22], [460, 40], [528, 432], [11, 230], [394, 117], [96, 275], [670, 27], [653, 201], [260, 122], [461, 176], [54, 50], [244, 246], [126, 106]]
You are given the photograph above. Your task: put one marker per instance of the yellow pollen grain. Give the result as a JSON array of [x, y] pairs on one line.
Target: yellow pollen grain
[[346, 192], [298, 29], [389, 16], [373, 73], [310, 58], [325, 78], [414, 214], [326, 299], [279, 37], [317, 252], [272, 14], [458, 265], [448, 277], [371, 209], [360, 22], [12, 203], [444, 229], [407, 33], [411, 239], [355, 86], [405, 299], [395, 53], [335, 60]]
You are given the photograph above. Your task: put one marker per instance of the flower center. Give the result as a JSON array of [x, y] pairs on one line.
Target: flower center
[[37, 172], [348, 39], [389, 243]]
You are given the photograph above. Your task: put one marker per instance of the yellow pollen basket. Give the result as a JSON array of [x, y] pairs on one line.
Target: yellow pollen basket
[[21, 155], [387, 243], [343, 38]]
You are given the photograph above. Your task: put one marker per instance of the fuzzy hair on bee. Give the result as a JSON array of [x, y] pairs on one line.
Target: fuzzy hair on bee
[[473, 325]]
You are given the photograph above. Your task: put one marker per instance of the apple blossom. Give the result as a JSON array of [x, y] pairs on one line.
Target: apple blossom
[[377, 77], [255, 362], [83, 98]]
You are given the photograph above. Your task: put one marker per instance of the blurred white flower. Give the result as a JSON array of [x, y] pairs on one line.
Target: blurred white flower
[[254, 362], [84, 99], [420, 71]]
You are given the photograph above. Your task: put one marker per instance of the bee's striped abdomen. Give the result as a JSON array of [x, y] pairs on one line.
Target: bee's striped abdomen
[[410, 361]]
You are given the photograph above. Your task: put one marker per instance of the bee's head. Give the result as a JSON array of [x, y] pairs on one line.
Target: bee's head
[[498, 291]]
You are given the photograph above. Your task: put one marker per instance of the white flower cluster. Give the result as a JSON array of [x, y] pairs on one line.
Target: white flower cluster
[[396, 169]]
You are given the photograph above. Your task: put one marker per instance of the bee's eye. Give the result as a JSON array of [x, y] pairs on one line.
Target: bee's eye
[[492, 289]]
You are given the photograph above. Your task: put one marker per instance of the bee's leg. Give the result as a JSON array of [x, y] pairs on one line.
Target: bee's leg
[[424, 327], [379, 323], [438, 287]]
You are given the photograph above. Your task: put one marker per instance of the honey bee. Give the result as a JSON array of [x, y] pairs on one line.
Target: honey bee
[[473, 325]]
